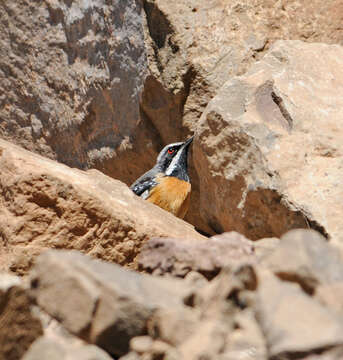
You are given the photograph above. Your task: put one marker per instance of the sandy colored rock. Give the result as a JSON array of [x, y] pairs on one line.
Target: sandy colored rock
[[45, 204], [19, 328], [292, 321], [178, 258], [311, 260], [46, 348], [195, 46], [246, 342], [268, 149], [106, 304]]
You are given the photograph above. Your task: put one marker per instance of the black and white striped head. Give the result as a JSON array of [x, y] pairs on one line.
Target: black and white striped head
[[172, 160]]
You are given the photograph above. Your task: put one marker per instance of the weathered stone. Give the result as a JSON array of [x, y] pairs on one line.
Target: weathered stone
[[292, 321], [106, 305], [19, 328], [45, 204], [195, 46], [268, 149], [331, 295], [47, 348], [71, 76], [178, 258], [311, 260], [246, 342], [173, 326], [141, 344], [206, 343]]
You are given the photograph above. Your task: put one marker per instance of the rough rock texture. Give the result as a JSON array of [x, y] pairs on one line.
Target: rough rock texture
[[88, 309], [172, 256], [106, 85], [71, 74], [194, 47], [311, 261], [106, 305], [292, 321], [44, 204], [268, 149], [19, 328]]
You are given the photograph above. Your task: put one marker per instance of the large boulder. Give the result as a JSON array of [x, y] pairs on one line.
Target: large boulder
[[45, 204], [269, 151], [71, 75]]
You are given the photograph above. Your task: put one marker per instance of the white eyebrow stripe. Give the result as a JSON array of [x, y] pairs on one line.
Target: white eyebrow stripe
[[174, 162]]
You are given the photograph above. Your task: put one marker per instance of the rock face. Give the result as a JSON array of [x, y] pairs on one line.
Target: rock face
[[194, 47], [48, 205], [71, 74], [106, 85], [268, 150]]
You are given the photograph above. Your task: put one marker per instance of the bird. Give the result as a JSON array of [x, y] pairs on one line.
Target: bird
[[167, 184]]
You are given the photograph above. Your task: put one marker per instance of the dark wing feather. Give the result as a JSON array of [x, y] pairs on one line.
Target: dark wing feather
[[143, 184]]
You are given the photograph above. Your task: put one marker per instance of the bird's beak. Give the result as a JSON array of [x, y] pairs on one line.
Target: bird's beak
[[188, 142]]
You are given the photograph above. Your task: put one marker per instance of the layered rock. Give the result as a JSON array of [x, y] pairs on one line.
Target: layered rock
[[268, 150], [49, 205]]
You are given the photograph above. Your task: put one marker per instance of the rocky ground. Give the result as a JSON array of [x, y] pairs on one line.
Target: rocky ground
[[89, 94]]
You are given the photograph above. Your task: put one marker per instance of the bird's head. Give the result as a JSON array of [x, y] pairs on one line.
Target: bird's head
[[172, 160]]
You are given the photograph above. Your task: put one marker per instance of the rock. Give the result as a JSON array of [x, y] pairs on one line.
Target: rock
[[331, 295], [292, 321], [246, 342], [172, 256], [173, 326], [19, 328], [141, 344], [106, 305], [77, 69], [206, 342], [311, 260], [124, 79], [263, 167], [194, 47], [45, 204], [45, 348]]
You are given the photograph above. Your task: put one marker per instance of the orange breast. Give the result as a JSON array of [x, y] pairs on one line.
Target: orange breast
[[171, 194]]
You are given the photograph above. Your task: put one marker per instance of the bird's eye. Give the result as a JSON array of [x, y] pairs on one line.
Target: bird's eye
[[171, 151]]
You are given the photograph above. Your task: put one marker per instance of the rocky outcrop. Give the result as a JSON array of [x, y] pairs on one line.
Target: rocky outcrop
[[49, 205], [194, 47], [253, 309], [106, 305], [268, 150], [98, 85]]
